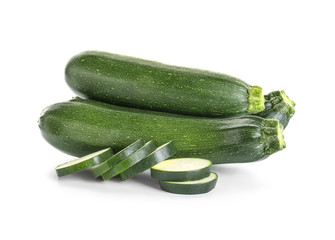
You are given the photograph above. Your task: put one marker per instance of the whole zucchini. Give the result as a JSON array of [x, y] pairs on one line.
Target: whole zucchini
[[138, 83], [80, 126]]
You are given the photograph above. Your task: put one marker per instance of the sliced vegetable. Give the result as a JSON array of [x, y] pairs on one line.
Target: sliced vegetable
[[118, 157], [83, 163], [130, 160], [161, 153], [190, 187], [139, 83], [181, 169]]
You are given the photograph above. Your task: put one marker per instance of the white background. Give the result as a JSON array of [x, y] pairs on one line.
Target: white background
[[279, 45]]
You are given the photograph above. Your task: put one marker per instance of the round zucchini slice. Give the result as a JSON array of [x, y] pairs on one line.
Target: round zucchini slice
[[118, 157], [83, 163], [190, 187], [181, 169], [131, 160], [161, 153]]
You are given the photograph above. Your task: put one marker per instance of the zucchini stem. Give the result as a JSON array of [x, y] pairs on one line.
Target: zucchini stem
[[256, 100], [278, 106]]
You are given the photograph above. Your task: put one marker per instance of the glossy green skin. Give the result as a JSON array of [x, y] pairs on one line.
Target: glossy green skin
[[138, 83], [163, 152], [79, 127], [181, 175], [83, 165], [130, 160], [118, 157], [188, 188]]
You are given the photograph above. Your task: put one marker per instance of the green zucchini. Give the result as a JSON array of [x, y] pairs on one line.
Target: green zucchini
[[190, 187], [278, 106], [139, 83], [118, 157], [83, 163], [130, 160], [81, 126], [161, 153], [181, 169]]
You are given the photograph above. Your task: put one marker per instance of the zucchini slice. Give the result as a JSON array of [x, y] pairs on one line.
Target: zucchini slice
[[161, 153], [190, 187], [83, 163], [181, 169], [118, 157], [130, 160]]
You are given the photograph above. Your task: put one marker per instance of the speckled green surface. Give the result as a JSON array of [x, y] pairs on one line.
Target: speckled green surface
[[139, 83], [79, 127]]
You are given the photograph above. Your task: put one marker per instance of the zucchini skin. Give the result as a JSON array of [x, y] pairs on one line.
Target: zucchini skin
[[181, 188], [181, 176], [117, 158], [130, 161], [83, 165], [133, 82], [79, 127], [163, 152]]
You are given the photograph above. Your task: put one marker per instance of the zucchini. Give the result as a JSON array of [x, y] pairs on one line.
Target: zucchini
[[81, 126], [118, 157], [130, 161], [83, 163], [278, 106], [139, 83], [190, 187], [161, 153], [181, 169]]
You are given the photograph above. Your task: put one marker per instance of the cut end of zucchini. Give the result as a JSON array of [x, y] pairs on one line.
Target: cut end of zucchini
[[83, 163], [272, 136], [181, 169], [256, 100], [182, 164], [200, 186]]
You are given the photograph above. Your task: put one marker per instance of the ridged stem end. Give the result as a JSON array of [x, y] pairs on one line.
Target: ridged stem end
[[256, 100], [272, 136], [281, 102]]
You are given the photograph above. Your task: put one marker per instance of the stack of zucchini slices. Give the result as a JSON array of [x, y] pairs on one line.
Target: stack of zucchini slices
[[185, 175], [180, 175]]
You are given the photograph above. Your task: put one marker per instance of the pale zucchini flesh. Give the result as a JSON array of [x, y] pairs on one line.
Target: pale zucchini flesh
[[190, 187], [181, 169], [84, 162]]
